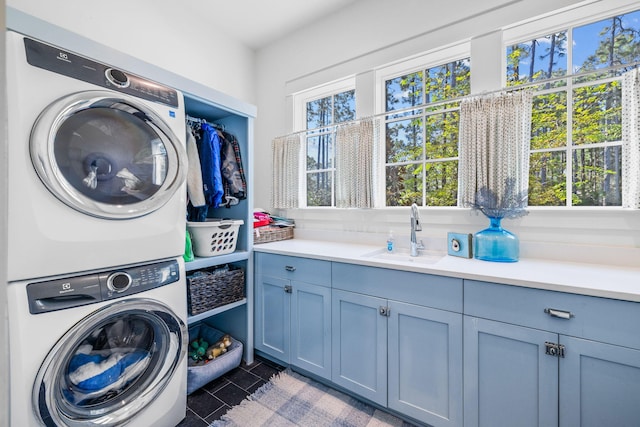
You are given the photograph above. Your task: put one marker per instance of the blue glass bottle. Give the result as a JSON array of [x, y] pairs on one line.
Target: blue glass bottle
[[496, 244]]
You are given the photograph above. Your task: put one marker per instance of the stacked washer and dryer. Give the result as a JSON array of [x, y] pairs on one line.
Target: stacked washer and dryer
[[96, 215]]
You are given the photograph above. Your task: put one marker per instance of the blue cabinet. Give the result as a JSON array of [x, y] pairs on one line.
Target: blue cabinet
[[359, 338], [599, 384], [402, 356], [293, 311], [549, 358], [530, 357], [425, 363], [394, 344], [311, 328], [508, 379], [272, 316]]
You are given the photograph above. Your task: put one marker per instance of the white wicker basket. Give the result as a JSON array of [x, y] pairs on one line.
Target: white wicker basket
[[214, 236]]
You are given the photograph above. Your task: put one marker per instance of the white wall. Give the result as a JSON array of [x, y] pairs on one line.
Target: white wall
[[160, 32], [369, 34]]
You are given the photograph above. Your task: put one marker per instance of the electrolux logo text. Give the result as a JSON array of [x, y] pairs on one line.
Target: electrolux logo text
[[63, 56], [66, 288]]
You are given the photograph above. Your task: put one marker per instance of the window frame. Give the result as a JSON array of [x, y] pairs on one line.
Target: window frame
[[300, 101], [420, 63], [565, 20]]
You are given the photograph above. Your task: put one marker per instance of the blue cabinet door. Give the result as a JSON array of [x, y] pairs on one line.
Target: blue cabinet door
[[359, 345], [425, 363], [599, 384], [311, 328], [272, 316], [508, 379]]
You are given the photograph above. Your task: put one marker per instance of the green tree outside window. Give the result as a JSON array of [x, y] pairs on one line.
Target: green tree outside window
[[580, 166]]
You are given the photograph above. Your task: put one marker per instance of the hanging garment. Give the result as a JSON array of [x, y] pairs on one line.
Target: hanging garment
[[195, 190], [210, 147], [235, 185]]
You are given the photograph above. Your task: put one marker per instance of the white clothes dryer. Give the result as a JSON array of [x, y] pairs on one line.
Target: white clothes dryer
[[97, 164], [103, 348]]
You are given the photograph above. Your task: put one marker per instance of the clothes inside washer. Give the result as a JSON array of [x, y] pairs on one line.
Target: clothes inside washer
[[108, 360], [97, 374]]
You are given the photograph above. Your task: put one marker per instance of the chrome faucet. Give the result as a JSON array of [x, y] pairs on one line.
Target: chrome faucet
[[415, 226]]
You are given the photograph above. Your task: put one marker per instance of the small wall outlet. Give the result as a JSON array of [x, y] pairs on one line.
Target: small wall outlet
[[460, 244]]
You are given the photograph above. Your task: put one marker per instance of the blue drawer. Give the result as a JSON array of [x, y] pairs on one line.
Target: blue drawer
[[307, 270], [600, 319], [415, 288]]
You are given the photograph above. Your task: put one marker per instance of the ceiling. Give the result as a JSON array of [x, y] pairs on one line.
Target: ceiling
[[256, 23]]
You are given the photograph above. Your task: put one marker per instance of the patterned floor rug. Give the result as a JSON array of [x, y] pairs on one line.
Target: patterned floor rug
[[290, 399]]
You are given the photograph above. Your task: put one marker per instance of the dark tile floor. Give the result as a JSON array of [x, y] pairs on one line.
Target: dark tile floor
[[214, 399]]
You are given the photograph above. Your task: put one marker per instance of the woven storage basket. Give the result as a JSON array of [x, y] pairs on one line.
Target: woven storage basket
[[214, 236], [213, 289], [271, 233]]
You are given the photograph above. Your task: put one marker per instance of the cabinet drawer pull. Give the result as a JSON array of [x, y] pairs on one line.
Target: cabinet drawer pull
[[288, 289], [290, 268], [562, 314]]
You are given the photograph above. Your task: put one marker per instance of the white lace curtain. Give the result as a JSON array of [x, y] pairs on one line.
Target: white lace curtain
[[355, 145], [354, 164], [494, 137], [631, 139], [285, 153]]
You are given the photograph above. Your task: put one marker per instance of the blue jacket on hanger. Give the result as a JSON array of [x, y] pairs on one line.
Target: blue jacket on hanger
[[210, 161]]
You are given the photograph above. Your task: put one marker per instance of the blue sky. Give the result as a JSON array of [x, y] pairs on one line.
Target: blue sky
[[585, 41], [587, 37]]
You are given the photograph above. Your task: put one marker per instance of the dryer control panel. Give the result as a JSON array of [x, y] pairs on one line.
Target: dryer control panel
[[59, 61], [68, 292]]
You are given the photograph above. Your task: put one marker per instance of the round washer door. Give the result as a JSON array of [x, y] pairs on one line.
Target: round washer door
[[107, 155], [110, 365]]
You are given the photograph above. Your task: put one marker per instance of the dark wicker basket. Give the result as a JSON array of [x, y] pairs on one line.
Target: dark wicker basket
[[214, 289]]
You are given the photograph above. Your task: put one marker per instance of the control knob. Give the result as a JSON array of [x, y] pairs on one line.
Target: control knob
[[119, 281], [117, 77]]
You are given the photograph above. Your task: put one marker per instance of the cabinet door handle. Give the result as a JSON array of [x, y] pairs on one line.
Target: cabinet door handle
[[288, 289], [290, 268], [562, 314]]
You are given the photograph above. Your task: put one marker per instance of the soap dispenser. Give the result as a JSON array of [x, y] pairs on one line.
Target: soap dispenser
[[390, 242]]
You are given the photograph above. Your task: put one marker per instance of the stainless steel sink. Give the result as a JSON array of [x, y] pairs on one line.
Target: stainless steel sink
[[401, 255]]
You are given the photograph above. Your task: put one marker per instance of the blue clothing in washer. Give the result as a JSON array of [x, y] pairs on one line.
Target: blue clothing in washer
[[210, 161], [93, 372]]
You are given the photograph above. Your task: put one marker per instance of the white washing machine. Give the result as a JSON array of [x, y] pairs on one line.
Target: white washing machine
[[103, 348], [97, 164]]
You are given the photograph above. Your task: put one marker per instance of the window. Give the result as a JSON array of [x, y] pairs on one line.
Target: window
[[421, 145], [575, 155], [321, 116], [575, 150]]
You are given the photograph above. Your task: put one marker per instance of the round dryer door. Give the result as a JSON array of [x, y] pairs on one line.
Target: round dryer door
[[110, 365], [107, 155]]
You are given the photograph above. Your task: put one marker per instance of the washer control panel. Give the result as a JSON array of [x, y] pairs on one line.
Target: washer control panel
[[74, 291]]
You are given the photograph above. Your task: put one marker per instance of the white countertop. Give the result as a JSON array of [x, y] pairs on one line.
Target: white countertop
[[580, 278]]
